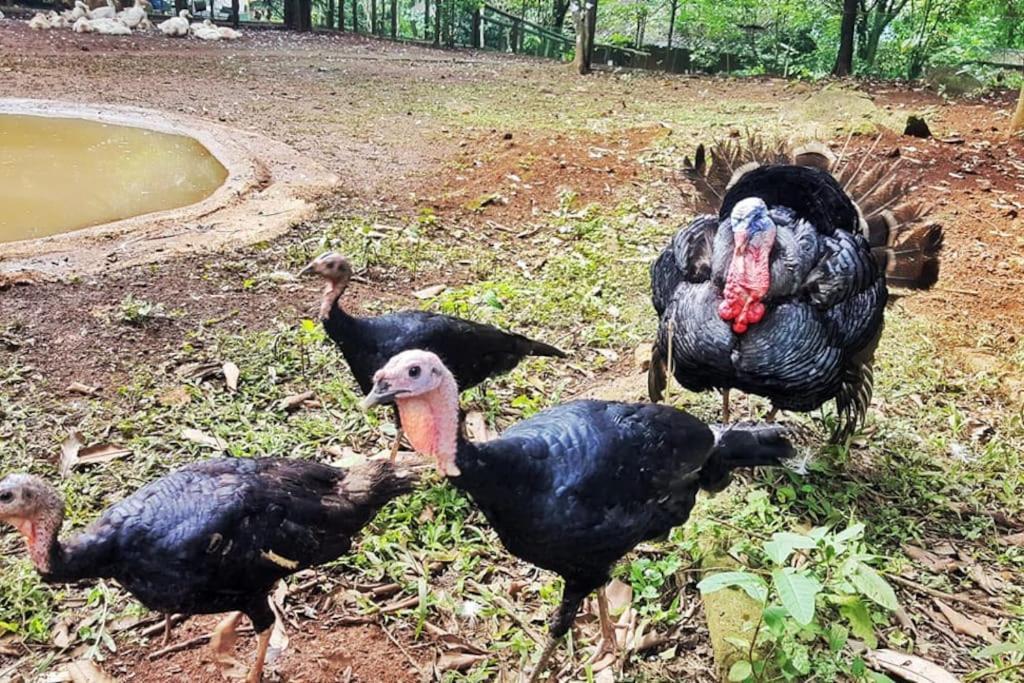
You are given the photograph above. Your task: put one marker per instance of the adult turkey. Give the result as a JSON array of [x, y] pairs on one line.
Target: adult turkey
[[576, 487], [473, 351], [213, 536], [782, 293]]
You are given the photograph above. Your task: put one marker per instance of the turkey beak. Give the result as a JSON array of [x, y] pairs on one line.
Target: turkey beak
[[308, 270], [739, 238], [381, 394]]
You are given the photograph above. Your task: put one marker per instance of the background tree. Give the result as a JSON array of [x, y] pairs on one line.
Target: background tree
[[586, 27], [1017, 122], [844, 60]]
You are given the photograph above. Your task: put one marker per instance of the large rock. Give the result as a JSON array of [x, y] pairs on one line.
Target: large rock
[[952, 81]]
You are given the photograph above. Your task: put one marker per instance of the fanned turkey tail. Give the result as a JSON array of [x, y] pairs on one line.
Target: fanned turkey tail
[[736, 446], [904, 242]]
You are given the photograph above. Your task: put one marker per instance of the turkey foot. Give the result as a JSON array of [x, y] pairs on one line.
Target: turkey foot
[[609, 640], [222, 642], [542, 662], [256, 673]]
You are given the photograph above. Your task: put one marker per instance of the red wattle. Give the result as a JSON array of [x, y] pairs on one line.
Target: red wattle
[[755, 311]]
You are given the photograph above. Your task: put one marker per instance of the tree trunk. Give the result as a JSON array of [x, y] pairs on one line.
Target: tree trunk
[[394, 19], [437, 23], [373, 17], [475, 39], [330, 13], [844, 60], [586, 20], [672, 23], [1017, 122], [426, 19], [341, 15], [305, 15], [560, 8]]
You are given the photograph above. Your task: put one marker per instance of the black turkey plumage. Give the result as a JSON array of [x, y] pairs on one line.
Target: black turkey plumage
[[576, 487], [473, 351], [782, 293], [211, 537]]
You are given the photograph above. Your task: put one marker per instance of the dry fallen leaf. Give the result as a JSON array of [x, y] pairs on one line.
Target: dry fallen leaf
[[985, 581], [178, 396], [87, 672], [203, 439], [908, 667], [231, 374], [1016, 539], [429, 292], [963, 624], [84, 389], [476, 427], [74, 453], [455, 661], [295, 401], [930, 560]]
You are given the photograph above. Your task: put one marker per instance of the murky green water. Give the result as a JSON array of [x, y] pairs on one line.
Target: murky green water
[[58, 175]]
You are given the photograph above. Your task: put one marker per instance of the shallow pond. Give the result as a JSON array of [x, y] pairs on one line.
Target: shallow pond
[[61, 174]]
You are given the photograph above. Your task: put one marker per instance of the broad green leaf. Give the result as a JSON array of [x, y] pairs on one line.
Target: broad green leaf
[[797, 591], [850, 533], [837, 636], [775, 619], [740, 671], [1000, 649], [873, 587], [860, 621], [783, 543], [752, 584]]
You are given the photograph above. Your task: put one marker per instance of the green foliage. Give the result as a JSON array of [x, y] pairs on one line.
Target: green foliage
[[137, 312], [804, 583]]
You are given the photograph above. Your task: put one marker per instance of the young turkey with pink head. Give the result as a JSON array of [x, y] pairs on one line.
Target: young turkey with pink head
[[576, 487]]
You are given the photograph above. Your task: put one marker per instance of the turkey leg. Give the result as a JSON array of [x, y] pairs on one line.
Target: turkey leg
[[256, 673]]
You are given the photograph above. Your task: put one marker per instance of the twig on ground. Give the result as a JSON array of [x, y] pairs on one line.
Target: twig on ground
[[925, 590]]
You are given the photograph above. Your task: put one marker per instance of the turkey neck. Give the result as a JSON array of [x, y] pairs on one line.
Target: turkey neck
[[41, 535], [336, 320], [431, 423]]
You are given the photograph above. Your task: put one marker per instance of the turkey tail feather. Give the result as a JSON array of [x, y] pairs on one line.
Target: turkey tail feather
[[657, 376], [747, 445], [905, 245]]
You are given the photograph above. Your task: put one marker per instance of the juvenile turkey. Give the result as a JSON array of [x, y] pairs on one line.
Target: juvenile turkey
[[214, 536], [473, 351], [782, 293], [576, 487]]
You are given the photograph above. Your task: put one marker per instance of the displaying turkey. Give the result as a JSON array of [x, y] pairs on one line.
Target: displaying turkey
[[473, 351], [782, 293], [576, 487], [211, 537]]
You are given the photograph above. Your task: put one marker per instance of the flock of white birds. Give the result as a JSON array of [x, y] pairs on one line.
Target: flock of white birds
[[111, 22]]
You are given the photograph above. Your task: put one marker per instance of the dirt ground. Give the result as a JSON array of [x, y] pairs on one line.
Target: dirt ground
[[404, 129]]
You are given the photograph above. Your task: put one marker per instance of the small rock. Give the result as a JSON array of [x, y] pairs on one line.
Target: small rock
[[642, 357]]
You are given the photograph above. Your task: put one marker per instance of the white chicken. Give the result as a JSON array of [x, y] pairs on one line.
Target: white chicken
[[109, 27], [134, 16], [77, 12], [108, 12], [39, 22], [82, 25], [227, 33], [176, 26], [204, 31]]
